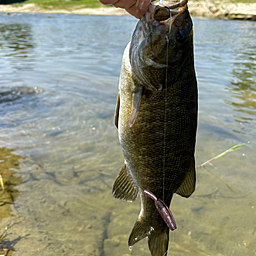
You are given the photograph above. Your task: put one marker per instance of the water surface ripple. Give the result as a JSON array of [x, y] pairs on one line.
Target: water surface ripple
[[56, 126]]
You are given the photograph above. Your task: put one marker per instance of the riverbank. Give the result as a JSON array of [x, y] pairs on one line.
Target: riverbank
[[223, 10], [209, 9]]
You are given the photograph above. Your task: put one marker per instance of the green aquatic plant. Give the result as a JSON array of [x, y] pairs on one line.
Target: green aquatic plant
[[216, 157], [4, 250], [221, 154], [9, 166], [2, 183], [219, 179]]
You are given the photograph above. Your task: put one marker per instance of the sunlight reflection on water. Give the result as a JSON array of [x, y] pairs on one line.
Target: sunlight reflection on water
[[69, 146]]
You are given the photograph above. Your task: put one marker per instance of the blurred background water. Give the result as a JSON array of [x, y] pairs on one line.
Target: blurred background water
[[59, 151]]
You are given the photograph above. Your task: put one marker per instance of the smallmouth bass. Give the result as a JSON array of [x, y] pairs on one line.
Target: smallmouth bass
[[156, 117]]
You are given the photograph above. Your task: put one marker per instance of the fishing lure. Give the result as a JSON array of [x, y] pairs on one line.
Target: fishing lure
[[163, 210]]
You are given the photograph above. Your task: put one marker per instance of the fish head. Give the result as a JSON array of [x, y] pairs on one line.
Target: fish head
[[162, 40]]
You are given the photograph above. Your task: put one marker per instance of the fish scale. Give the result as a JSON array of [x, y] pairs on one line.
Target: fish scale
[[156, 117]]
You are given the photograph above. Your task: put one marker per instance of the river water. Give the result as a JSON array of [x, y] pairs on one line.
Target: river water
[[60, 152]]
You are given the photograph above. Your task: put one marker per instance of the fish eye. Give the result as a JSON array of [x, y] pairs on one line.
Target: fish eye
[[181, 35]]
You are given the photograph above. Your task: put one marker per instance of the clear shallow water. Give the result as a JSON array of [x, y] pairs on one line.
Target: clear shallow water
[[64, 149]]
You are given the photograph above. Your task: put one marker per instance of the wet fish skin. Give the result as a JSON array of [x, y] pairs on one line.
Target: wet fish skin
[[159, 146]]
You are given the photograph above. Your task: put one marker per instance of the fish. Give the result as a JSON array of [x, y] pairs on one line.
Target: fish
[[156, 117]]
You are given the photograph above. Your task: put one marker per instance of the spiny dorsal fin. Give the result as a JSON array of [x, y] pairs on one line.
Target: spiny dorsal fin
[[117, 110], [123, 187], [188, 185]]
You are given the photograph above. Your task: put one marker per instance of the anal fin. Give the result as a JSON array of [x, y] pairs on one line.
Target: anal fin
[[124, 187], [140, 230], [157, 240], [187, 187]]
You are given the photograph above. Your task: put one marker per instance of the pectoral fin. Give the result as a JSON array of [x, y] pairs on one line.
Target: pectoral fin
[[188, 185], [117, 110], [124, 187], [135, 107]]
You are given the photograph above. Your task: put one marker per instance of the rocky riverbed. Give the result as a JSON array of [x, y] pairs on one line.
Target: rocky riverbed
[[223, 10]]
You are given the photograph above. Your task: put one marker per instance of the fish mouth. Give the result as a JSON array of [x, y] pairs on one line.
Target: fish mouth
[[163, 14]]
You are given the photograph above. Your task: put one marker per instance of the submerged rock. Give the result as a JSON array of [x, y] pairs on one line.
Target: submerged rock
[[14, 93], [242, 16]]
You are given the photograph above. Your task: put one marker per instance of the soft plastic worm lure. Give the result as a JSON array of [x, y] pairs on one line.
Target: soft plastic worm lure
[[163, 210]]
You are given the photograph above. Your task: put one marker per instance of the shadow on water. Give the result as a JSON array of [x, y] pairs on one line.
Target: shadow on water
[[8, 164], [10, 105]]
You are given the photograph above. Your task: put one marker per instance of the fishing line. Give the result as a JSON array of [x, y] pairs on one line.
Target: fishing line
[[165, 102], [165, 110]]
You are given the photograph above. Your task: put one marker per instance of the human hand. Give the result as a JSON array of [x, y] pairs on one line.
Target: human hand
[[137, 8]]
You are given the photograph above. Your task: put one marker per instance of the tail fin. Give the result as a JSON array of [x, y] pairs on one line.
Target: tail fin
[[157, 240]]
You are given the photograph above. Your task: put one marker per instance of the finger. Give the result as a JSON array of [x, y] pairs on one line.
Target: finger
[[144, 4], [126, 4], [108, 2], [136, 12], [139, 8]]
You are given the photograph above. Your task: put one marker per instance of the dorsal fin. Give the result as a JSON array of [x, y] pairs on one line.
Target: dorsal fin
[[124, 187], [187, 187]]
